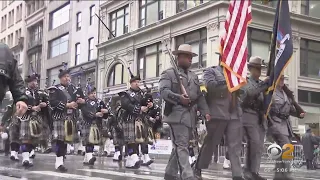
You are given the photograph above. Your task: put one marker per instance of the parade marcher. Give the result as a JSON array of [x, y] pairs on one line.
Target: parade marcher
[[183, 98], [115, 123], [252, 117], [308, 143], [93, 111], [64, 103], [279, 124], [30, 125], [132, 123], [11, 79], [226, 113]]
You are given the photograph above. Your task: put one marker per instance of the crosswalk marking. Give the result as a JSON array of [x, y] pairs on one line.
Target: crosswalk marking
[[67, 175], [124, 174], [9, 178]]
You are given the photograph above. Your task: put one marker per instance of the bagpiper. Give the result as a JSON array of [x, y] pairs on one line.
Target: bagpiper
[[30, 125], [92, 111], [133, 122], [64, 99], [117, 132]]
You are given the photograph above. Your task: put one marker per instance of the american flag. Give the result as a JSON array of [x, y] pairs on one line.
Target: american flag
[[233, 43]]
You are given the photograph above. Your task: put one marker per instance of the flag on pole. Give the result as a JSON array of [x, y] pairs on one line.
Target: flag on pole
[[233, 44], [281, 49]]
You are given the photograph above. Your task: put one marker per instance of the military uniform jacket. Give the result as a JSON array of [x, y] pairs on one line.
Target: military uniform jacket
[[169, 91], [90, 108], [130, 102], [218, 97], [33, 100], [279, 114], [251, 95], [58, 98]]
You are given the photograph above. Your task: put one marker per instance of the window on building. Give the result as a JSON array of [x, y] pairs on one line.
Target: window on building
[[271, 3], [259, 43], [119, 21], [3, 23], [11, 18], [78, 21], [198, 40], [19, 13], [90, 49], [311, 97], [309, 58], [35, 35], [18, 36], [60, 17], [118, 75], [77, 55], [150, 61], [58, 46], [150, 11], [3, 40], [187, 4], [35, 61], [10, 40], [4, 4], [92, 14], [53, 76], [310, 8]]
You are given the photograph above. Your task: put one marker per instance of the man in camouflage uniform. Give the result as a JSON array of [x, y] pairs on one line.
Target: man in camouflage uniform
[[181, 110], [253, 118]]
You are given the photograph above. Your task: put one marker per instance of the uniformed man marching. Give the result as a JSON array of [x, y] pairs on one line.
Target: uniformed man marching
[[279, 125], [30, 127], [133, 136], [63, 105], [226, 113], [253, 119], [92, 112], [14, 135], [180, 111], [115, 123]]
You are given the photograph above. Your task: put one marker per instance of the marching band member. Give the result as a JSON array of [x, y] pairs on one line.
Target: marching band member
[[63, 103], [30, 129], [14, 125], [117, 133], [93, 111], [131, 103]]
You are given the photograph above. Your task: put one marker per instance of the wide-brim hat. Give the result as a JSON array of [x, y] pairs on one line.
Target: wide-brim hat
[[184, 49], [256, 62]]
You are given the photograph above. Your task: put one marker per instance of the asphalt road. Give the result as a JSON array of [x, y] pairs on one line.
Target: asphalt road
[[106, 169]]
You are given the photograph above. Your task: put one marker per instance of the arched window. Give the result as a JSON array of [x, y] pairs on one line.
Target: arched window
[[118, 75]]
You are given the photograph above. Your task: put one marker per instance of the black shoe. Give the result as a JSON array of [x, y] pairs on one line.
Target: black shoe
[[237, 178], [62, 169], [92, 160], [14, 159], [197, 173], [26, 164], [256, 176], [248, 175], [33, 156]]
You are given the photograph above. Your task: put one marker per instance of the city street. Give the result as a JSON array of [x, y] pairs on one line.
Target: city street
[[106, 169]]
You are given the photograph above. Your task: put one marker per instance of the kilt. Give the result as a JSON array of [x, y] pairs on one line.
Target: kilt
[[129, 135], [14, 129], [45, 131], [25, 131], [85, 132], [58, 132]]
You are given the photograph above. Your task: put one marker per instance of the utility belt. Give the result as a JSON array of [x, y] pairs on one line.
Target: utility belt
[[252, 107], [219, 95], [280, 115]]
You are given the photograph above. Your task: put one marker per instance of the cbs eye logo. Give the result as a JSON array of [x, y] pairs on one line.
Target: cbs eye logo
[[275, 151]]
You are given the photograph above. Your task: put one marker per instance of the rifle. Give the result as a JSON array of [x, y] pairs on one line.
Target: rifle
[[293, 101], [168, 106]]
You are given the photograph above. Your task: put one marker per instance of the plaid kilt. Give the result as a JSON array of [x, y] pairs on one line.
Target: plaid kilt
[[45, 131], [14, 129], [25, 131], [58, 132], [85, 131], [129, 135]]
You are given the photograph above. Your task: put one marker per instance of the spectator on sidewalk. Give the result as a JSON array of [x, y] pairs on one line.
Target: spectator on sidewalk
[[308, 142]]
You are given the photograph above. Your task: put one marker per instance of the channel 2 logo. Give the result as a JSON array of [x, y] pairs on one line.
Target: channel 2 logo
[[275, 151]]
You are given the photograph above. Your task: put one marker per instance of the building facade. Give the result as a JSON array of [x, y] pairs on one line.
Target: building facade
[[12, 28], [71, 29], [142, 30]]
